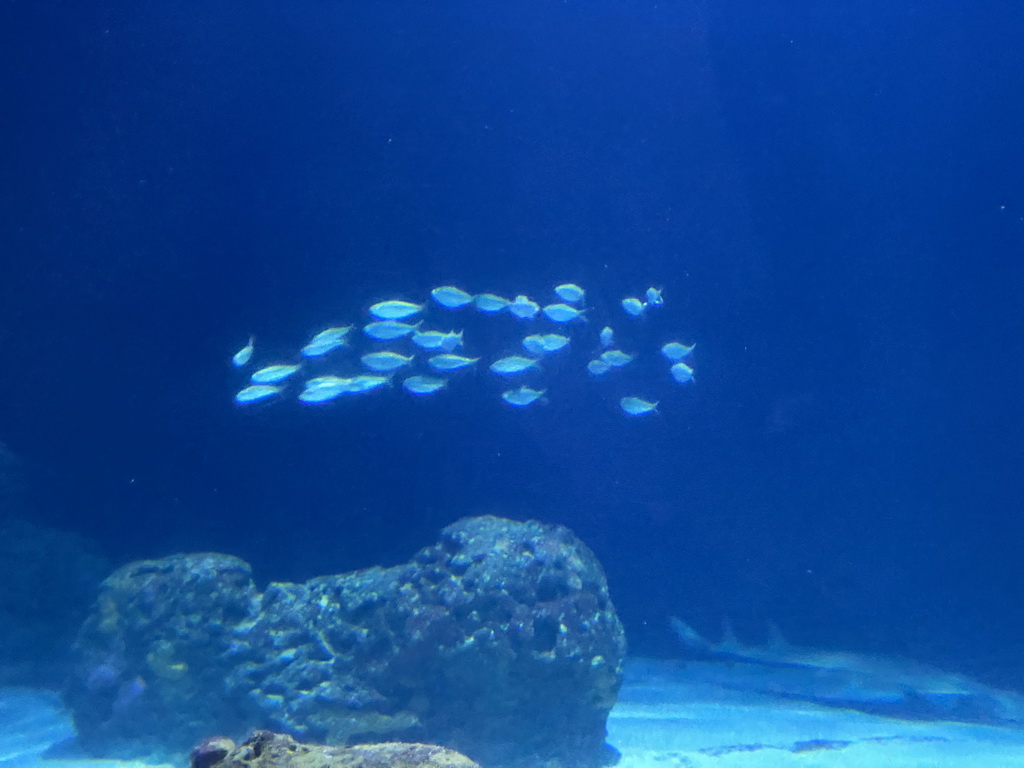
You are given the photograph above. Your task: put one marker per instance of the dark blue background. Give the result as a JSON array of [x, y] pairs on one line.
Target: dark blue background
[[830, 193]]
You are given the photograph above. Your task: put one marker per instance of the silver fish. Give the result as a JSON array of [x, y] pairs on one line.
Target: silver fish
[[326, 341], [607, 337], [633, 306], [534, 344], [598, 367], [544, 343], [437, 340], [334, 333], [522, 396], [423, 385], [674, 351], [244, 355], [329, 382], [366, 383], [490, 303], [395, 310], [450, 297], [562, 313], [448, 362], [616, 358], [256, 392], [321, 348], [273, 374], [654, 297], [324, 381], [322, 395], [325, 388], [682, 373], [636, 406], [507, 366], [386, 330], [552, 342], [385, 361], [523, 308], [570, 292]]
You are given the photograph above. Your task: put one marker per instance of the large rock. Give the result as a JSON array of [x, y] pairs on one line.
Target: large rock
[[273, 750], [499, 641]]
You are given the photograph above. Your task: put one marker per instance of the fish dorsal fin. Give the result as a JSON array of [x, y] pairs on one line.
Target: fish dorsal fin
[[689, 637], [729, 641], [776, 640]]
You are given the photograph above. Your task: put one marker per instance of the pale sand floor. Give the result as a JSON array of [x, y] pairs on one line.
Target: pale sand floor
[[662, 721]]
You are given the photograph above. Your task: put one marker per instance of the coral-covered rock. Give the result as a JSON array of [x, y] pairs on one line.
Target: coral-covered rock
[[271, 750], [499, 641], [152, 657]]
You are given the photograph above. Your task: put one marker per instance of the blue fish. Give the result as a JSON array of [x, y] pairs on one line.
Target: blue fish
[[562, 313], [523, 396], [637, 406], [423, 385], [244, 355], [385, 361], [616, 358], [524, 308], [570, 292], [387, 330], [450, 297], [255, 393], [395, 310], [490, 303], [513, 364], [272, 374], [682, 373], [448, 362], [675, 351], [633, 306]]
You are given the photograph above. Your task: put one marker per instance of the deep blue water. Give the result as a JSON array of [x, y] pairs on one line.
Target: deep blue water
[[830, 194]]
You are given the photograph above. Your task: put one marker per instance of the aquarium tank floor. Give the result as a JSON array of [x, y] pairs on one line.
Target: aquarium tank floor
[[661, 721]]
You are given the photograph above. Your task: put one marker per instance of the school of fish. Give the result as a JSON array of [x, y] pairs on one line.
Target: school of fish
[[415, 344]]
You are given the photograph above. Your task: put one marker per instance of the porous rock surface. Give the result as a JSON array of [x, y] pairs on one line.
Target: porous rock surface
[[265, 749], [499, 641]]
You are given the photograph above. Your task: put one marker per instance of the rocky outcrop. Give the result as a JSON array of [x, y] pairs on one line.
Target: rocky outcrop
[[499, 641], [265, 749]]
